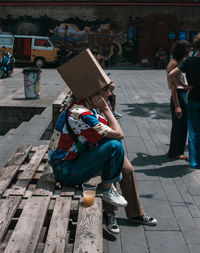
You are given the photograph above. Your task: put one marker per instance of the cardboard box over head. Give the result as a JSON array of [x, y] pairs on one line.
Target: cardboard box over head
[[83, 75]]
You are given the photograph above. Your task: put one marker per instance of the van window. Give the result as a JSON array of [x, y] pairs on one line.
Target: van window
[[6, 41], [42, 43]]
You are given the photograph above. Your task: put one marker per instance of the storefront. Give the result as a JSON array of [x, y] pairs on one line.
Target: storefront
[[124, 31]]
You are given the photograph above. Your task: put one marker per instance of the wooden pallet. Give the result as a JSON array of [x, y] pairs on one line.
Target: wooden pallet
[[59, 104], [38, 216]]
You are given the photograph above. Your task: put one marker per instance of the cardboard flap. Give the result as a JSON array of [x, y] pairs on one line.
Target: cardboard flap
[[83, 75]]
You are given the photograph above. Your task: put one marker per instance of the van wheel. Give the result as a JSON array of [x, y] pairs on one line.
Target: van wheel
[[40, 62]]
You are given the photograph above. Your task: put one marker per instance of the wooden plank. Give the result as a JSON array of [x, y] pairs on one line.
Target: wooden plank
[[27, 231], [18, 157], [40, 248], [46, 184], [26, 176], [59, 100], [89, 235], [58, 105], [2, 247], [67, 191], [56, 238], [8, 207], [7, 176]]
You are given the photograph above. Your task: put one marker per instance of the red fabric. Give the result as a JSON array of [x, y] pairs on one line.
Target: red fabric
[[91, 135], [102, 120], [65, 142], [85, 113]]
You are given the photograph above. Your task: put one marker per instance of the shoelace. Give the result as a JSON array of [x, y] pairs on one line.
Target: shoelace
[[147, 218], [114, 193], [113, 221]]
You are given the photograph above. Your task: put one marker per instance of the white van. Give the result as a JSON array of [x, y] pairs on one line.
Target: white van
[[26, 49]]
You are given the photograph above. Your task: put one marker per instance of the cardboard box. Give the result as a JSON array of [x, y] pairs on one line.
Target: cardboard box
[[83, 75]]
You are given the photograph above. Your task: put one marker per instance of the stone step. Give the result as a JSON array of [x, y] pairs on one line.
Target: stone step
[[36, 127], [13, 132]]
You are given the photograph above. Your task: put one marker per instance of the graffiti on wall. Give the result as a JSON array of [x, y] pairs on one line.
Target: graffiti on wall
[[117, 42]]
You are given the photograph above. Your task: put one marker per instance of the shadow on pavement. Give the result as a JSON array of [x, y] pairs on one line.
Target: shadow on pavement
[[143, 159], [126, 222], [108, 236], [153, 110], [172, 171]]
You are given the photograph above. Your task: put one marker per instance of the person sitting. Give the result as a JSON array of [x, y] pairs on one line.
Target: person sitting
[[84, 144]]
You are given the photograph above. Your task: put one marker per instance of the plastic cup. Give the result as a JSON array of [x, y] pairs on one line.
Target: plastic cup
[[89, 192]]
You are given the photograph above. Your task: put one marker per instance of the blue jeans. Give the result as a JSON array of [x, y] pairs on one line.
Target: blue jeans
[[194, 133], [107, 158]]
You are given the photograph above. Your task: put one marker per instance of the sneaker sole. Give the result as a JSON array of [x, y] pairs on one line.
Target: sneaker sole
[[115, 204], [143, 222], [116, 233]]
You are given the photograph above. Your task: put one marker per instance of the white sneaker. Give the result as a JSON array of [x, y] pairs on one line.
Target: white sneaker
[[114, 198]]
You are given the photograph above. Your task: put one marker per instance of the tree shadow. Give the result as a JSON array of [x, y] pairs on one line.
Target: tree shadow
[[143, 159], [152, 110], [172, 171]]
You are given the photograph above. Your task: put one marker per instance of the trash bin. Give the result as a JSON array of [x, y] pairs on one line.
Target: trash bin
[[32, 82]]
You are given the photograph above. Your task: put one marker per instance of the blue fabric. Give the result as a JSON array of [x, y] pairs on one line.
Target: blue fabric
[[107, 158], [194, 133], [61, 121], [91, 120]]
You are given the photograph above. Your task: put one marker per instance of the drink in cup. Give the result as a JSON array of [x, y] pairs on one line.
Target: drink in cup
[[89, 192]]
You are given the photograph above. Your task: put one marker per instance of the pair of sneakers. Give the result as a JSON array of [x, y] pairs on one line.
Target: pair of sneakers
[[113, 197], [113, 227]]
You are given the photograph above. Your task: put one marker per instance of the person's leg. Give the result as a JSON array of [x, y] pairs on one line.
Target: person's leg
[[179, 128], [107, 158], [129, 191], [194, 133], [173, 148], [134, 209], [183, 104]]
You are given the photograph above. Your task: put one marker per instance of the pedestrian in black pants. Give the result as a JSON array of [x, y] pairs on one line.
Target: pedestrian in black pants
[[178, 102], [179, 126]]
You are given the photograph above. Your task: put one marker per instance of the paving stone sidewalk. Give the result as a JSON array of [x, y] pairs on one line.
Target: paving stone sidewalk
[[169, 190]]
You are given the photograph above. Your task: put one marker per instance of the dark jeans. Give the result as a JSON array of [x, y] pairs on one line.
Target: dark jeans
[[179, 126], [107, 158]]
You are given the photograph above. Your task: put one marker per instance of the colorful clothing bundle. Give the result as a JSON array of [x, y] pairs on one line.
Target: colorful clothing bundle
[[87, 125]]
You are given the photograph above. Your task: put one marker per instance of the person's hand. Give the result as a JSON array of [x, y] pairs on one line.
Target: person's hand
[[99, 102], [188, 87], [178, 112]]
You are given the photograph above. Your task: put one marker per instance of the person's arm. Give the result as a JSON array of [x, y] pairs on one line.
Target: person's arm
[[174, 78], [178, 110], [173, 89], [115, 131]]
